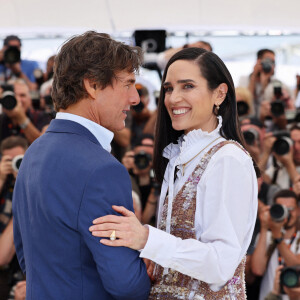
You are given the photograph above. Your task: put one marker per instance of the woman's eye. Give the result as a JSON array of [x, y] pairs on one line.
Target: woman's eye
[[168, 89], [188, 86]]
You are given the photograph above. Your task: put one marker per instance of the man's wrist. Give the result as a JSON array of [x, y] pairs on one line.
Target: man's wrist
[[24, 124]]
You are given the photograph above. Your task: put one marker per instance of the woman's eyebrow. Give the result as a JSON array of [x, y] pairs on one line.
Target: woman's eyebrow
[[179, 81]]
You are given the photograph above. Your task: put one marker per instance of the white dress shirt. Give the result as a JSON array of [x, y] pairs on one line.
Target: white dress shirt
[[103, 135], [226, 208]]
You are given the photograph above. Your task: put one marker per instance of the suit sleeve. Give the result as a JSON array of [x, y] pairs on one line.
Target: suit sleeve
[[19, 245], [122, 272]]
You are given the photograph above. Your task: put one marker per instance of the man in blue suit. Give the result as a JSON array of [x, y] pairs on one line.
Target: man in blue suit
[[68, 178]]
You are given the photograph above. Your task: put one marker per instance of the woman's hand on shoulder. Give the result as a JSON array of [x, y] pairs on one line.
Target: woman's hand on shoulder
[[129, 232]]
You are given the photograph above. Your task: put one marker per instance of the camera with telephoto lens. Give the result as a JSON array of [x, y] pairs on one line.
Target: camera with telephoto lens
[[16, 162], [290, 276], [12, 55], [267, 65], [8, 99], [279, 212], [250, 136], [277, 106], [142, 160], [242, 108], [283, 142]]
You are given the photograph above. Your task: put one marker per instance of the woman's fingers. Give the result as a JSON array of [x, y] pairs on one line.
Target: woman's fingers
[[109, 219], [122, 210], [106, 226], [115, 243], [115, 219]]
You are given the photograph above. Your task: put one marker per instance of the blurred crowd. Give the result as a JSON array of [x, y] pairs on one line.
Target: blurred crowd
[[270, 122]]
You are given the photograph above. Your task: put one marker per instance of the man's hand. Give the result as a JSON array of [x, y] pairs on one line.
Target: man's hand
[[17, 114], [268, 142], [264, 216], [15, 68], [286, 159], [276, 228], [20, 291], [5, 167]]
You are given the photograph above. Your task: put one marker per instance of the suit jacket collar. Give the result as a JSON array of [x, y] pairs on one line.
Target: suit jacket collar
[[66, 126]]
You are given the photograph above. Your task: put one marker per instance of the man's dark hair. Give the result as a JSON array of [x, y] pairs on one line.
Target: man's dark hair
[[207, 44], [11, 38], [261, 52], [286, 194], [94, 56], [12, 142]]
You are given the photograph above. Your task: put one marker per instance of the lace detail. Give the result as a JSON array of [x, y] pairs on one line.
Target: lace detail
[[185, 141]]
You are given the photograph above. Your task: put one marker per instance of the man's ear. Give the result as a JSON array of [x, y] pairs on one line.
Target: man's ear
[[90, 87], [221, 91]]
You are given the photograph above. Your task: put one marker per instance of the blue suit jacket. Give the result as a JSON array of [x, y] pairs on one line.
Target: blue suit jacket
[[66, 180]]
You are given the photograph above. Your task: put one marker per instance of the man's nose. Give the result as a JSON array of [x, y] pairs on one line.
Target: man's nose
[[134, 97]]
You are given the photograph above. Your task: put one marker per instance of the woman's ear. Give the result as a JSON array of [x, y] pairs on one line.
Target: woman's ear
[[221, 92], [90, 87]]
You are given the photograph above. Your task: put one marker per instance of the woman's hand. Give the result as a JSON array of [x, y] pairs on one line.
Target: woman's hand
[[128, 229]]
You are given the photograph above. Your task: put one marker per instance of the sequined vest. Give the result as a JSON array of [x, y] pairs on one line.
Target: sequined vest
[[170, 284]]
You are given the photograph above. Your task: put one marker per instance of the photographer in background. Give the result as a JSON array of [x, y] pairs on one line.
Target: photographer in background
[[285, 168], [138, 162], [12, 149], [280, 245], [12, 66], [140, 114], [260, 81], [20, 118], [244, 101], [275, 294]]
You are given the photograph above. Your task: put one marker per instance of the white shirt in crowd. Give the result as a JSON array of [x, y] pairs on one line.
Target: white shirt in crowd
[[226, 208], [269, 276]]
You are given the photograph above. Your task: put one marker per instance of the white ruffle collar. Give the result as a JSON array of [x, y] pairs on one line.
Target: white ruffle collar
[[190, 139]]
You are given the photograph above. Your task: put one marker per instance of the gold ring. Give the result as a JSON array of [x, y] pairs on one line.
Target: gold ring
[[113, 235]]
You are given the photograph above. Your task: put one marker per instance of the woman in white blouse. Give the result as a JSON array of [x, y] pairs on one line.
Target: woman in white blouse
[[208, 201]]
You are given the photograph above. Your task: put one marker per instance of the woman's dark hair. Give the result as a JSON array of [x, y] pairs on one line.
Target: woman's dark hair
[[215, 72]]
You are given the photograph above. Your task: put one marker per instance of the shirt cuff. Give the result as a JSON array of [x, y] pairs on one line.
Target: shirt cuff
[[160, 247]]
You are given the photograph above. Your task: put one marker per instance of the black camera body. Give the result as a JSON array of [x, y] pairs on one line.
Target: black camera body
[[250, 136], [290, 276], [277, 108], [8, 99], [12, 55], [267, 65], [279, 212], [283, 142], [142, 160], [16, 162]]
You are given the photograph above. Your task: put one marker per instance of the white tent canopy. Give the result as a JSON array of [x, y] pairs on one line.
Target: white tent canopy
[[63, 17]]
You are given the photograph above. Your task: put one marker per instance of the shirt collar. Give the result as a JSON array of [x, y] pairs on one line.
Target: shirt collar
[[103, 135]]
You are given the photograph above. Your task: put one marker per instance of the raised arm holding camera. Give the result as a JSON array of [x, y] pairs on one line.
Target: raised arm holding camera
[[19, 117], [13, 66], [280, 245]]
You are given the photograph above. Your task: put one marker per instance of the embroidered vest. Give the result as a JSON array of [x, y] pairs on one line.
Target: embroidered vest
[[170, 284]]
